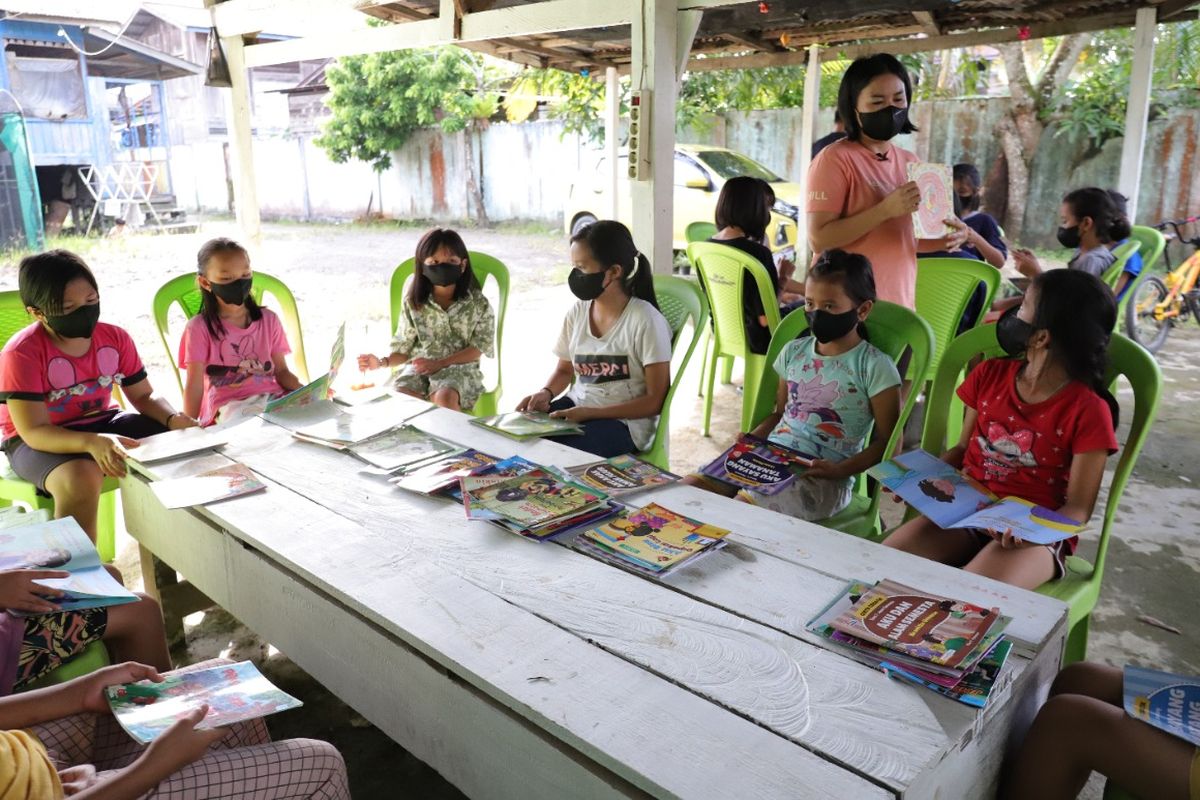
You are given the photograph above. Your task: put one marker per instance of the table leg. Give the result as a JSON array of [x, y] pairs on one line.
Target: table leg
[[177, 599]]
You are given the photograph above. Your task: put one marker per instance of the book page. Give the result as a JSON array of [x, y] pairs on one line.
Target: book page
[[173, 444], [58, 544], [1028, 522], [932, 487]]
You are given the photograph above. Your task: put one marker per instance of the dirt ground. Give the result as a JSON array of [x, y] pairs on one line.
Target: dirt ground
[[340, 273]]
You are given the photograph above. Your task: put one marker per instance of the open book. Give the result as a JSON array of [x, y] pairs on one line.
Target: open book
[[952, 500], [232, 480], [1169, 702], [322, 387], [61, 544], [936, 184], [172, 444], [527, 425], [757, 464]]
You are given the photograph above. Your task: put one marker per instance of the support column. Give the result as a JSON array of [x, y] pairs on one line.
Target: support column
[[245, 191], [612, 127], [808, 126], [1138, 107]]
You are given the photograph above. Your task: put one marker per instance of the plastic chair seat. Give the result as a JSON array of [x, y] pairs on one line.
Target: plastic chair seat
[[93, 657]]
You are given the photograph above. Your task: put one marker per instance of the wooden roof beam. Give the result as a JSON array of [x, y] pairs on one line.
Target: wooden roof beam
[[752, 42], [928, 22], [235, 17]]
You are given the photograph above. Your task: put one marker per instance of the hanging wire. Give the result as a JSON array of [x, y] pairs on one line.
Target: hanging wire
[[63, 33]]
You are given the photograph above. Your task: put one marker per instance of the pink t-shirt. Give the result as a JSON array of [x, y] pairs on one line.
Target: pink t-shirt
[[847, 178], [74, 389], [238, 365]]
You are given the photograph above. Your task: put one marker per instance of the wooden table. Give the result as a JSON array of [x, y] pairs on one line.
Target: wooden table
[[525, 669]]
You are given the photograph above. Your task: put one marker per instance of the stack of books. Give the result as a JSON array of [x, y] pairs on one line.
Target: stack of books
[[651, 540], [950, 646], [522, 425], [621, 475], [402, 448], [533, 502]]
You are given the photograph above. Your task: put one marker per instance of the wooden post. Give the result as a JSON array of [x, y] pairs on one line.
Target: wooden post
[[808, 125], [612, 120], [245, 191], [1138, 107]]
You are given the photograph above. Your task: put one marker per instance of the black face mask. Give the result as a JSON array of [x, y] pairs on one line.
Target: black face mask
[[1069, 237], [586, 285], [79, 324], [884, 124], [234, 292], [827, 327], [442, 273], [1013, 333]]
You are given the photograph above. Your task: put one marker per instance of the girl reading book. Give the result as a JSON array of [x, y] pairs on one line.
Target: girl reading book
[[835, 391], [233, 349], [1039, 426], [615, 346], [61, 429], [447, 325]]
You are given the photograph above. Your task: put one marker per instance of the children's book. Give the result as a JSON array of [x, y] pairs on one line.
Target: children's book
[[952, 500], [652, 538], [350, 427], [527, 425], [757, 464], [62, 545], [975, 687], [535, 498], [936, 183], [401, 448], [1169, 702], [232, 692], [621, 475], [320, 389], [500, 471], [172, 444], [921, 625], [233, 480], [434, 477]]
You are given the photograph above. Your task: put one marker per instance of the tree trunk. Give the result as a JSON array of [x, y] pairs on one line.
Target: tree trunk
[[474, 179], [1018, 178]]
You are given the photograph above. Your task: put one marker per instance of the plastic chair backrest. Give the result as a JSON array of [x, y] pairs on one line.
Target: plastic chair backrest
[[13, 316], [700, 231], [722, 269], [1124, 358], [1152, 245], [681, 301], [1122, 253], [484, 266], [183, 291], [944, 288]]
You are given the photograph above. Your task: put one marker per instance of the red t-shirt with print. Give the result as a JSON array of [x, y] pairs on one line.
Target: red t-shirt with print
[[74, 389], [1025, 449]]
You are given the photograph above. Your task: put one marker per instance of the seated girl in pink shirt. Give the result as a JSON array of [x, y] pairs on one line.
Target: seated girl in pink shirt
[[233, 349]]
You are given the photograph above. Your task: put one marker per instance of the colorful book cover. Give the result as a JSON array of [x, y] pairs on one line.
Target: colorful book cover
[[310, 393], [621, 475], [654, 537], [925, 626], [757, 464], [936, 184], [526, 424], [952, 500], [440, 474], [501, 470], [232, 692], [233, 480], [1169, 702], [172, 444], [975, 687], [528, 500], [62, 545], [566, 525], [402, 447]]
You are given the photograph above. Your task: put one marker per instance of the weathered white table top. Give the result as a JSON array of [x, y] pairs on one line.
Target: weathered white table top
[[701, 685]]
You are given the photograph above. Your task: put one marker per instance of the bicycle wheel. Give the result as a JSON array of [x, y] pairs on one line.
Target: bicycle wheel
[[1140, 322]]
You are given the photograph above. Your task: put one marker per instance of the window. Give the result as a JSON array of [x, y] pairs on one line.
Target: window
[[728, 165], [47, 88], [688, 170]]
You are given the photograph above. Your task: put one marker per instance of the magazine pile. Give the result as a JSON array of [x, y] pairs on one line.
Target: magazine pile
[[951, 646]]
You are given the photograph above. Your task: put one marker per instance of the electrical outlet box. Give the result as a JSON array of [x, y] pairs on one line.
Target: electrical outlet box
[[639, 135]]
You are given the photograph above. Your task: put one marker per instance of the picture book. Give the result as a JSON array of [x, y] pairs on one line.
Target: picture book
[[62, 545], [295, 418], [500, 471], [402, 447], [320, 389], [621, 475], [349, 427], [1169, 702], [925, 626], [757, 464], [172, 444], [952, 500], [535, 498], [526, 425], [232, 692], [653, 538], [936, 185], [975, 687], [434, 477], [233, 480]]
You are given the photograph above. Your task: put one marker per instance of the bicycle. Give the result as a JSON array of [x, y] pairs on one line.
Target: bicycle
[[1160, 303]]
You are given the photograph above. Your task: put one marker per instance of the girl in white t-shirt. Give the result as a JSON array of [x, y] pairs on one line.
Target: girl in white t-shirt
[[615, 347]]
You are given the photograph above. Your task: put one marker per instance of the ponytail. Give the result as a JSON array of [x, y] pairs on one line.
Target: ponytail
[[612, 243]]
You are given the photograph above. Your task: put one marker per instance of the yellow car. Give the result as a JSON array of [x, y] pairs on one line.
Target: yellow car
[[700, 172]]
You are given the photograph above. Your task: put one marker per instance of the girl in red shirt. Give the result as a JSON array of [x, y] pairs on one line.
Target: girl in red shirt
[[1039, 427]]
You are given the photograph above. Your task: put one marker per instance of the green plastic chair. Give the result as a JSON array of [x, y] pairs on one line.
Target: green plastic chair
[[1152, 245], [1080, 587], [700, 231], [681, 301], [13, 489], [484, 266], [893, 329], [184, 292], [721, 269], [1122, 253]]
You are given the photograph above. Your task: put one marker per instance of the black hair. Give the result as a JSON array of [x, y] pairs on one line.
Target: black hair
[[42, 279], [851, 270], [837, 116], [856, 77], [210, 308], [1079, 312], [742, 204], [1109, 218], [612, 243], [420, 287], [929, 488], [1119, 200], [967, 173]]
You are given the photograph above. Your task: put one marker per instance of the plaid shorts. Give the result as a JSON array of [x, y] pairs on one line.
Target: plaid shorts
[[51, 639]]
